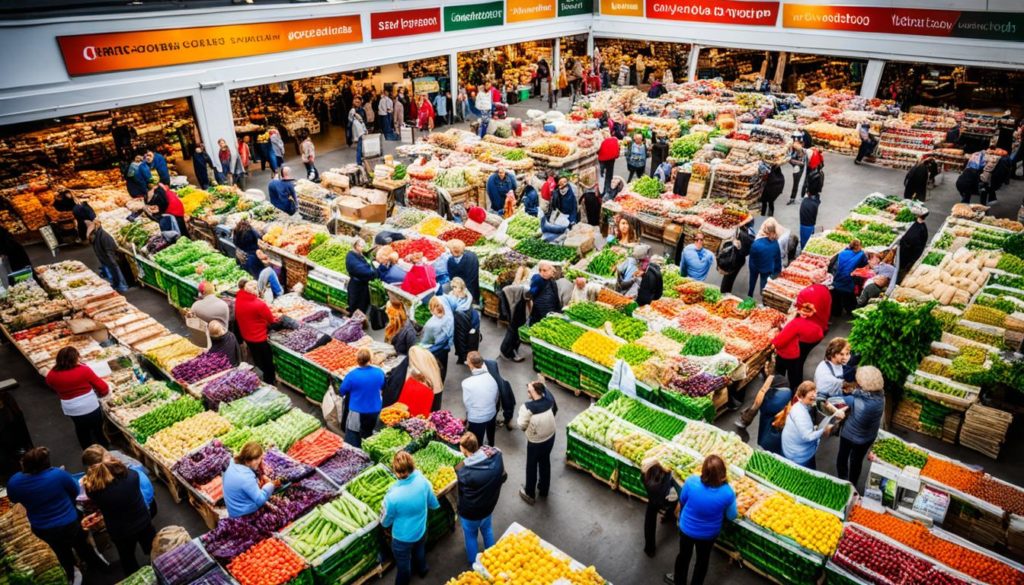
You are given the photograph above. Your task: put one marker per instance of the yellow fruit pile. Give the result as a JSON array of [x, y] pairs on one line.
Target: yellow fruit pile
[[442, 478], [432, 226], [519, 559], [811, 528], [468, 578], [394, 414], [597, 347]]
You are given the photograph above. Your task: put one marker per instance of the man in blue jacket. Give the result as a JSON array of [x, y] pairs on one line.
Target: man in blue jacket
[[765, 256], [158, 162], [405, 512], [480, 477], [499, 184], [282, 192], [843, 297]]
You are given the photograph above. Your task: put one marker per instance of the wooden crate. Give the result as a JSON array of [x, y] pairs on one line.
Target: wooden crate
[[490, 303], [294, 273], [776, 301], [907, 416]]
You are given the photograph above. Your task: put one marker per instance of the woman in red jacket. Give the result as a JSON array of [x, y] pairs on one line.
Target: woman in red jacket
[[254, 319], [79, 389], [790, 353]]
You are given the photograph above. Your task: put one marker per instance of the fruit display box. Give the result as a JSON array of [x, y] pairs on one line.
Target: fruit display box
[[556, 364], [588, 456], [772, 556], [517, 528], [795, 481]]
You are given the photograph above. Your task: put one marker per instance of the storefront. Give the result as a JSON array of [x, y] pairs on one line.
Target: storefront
[[319, 105], [515, 65], [805, 74], [85, 151], [619, 57], [952, 86]]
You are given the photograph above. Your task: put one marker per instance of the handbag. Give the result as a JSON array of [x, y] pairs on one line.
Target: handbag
[[378, 318]]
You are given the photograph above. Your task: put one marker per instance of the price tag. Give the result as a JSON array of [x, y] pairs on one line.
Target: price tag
[[49, 238]]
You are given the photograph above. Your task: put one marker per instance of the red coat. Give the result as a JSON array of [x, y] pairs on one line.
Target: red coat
[[609, 149], [417, 396], [253, 316], [77, 381], [799, 330], [174, 205], [820, 298], [547, 188]]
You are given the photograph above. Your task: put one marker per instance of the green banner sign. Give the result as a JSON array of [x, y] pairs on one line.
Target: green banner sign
[[469, 16], [575, 7]]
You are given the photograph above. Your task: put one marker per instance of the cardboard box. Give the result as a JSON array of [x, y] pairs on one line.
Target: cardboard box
[[374, 212], [349, 206], [673, 232]]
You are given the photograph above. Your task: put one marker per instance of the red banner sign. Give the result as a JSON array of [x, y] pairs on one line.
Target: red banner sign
[[763, 13], [904, 21], [403, 23]]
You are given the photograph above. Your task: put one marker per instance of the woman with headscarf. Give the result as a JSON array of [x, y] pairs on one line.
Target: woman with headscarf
[[439, 332]]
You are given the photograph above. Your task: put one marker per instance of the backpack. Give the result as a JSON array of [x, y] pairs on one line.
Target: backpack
[[815, 161], [729, 256]]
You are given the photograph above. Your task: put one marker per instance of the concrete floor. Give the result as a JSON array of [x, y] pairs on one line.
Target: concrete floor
[[581, 515]]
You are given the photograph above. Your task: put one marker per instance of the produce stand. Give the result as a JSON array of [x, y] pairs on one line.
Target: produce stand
[[770, 556], [515, 529]]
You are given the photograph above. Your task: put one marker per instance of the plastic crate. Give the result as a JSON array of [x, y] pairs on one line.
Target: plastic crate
[[314, 382], [631, 479], [590, 458], [440, 522], [702, 408], [349, 563]]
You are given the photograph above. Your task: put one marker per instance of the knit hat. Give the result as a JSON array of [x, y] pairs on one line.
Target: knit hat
[[477, 214]]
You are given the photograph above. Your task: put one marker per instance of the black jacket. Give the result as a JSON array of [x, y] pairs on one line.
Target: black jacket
[[227, 345], [912, 244], [773, 185], [657, 492], [14, 251], [124, 511], [468, 269], [479, 486], [968, 181], [809, 210], [915, 181], [105, 247], [651, 286], [405, 338], [506, 397]]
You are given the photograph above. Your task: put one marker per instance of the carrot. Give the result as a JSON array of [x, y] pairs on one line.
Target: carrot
[[270, 562]]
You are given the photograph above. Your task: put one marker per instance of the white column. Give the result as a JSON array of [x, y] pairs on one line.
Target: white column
[[691, 68], [453, 74], [590, 42], [872, 78], [556, 60], [213, 112]]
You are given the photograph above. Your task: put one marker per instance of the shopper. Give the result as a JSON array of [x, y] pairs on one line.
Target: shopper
[[863, 419], [464, 264], [773, 186], [629, 272], [867, 143], [466, 319], [606, 157], [243, 162], [872, 289], [797, 163], [705, 502], [808, 217], [400, 331], [880, 267], [246, 488], [79, 388], [830, 375], [210, 306], [480, 398], [115, 490], [96, 454], [621, 232], [363, 384], [406, 506], [537, 418], [254, 319], [222, 170], [499, 185], [307, 152], [636, 157], [480, 477], [143, 176], [268, 285], [815, 181], [277, 149], [158, 163], [360, 273], [915, 182], [968, 184], [660, 500], [485, 106], [136, 184], [543, 292], [765, 257], [281, 192], [246, 240], [105, 248], [771, 399], [48, 494], [793, 343], [800, 437], [439, 333], [843, 298], [15, 439], [425, 114], [651, 282], [563, 211], [732, 256], [913, 243], [357, 126], [441, 108], [424, 362], [224, 342], [697, 261], [80, 209]]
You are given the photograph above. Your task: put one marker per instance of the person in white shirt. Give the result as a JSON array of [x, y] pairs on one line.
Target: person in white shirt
[[480, 397], [829, 375], [485, 105], [385, 111]]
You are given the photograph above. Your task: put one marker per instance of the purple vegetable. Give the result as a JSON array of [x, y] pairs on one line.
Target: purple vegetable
[[351, 330], [200, 367], [317, 316], [182, 564], [344, 465], [204, 465], [299, 340], [448, 427], [156, 243], [231, 386], [232, 537], [318, 483], [283, 467], [417, 427], [216, 576]]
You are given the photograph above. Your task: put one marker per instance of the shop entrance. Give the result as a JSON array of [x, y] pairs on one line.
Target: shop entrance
[[953, 86], [619, 59], [513, 67]]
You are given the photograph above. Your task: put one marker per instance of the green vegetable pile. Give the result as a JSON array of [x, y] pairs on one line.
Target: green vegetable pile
[[649, 187], [894, 451], [516, 154], [933, 258], [604, 262], [797, 480], [1014, 245], [257, 408], [683, 148], [703, 345], [327, 525], [400, 173], [286, 429], [1011, 263], [676, 334], [522, 226], [996, 341], [236, 438], [937, 386], [634, 354], [557, 332], [382, 446], [595, 315], [434, 456], [905, 215], [712, 295], [331, 255], [895, 337], [164, 416], [541, 250], [670, 278], [370, 486], [642, 415], [999, 302]]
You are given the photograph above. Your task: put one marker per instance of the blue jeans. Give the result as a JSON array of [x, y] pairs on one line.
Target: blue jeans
[[470, 529], [805, 234], [754, 277], [117, 280], [359, 151], [485, 120], [389, 130], [409, 555]]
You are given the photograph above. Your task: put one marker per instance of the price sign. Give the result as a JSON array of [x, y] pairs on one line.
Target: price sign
[[49, 238]]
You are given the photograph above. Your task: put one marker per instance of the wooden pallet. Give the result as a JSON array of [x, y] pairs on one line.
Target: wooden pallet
[[568, 388], [612, 483]]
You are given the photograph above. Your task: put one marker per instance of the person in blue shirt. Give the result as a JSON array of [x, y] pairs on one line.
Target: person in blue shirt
[[439, 333], [405, 512], [697, 261], [144, 174], [843, 297], [48, 495], [705, 501], [158, 163], [498, 186], [246, 240], [530, 200], [390, 268], [862, 422], [363, 386], [243, 492], [765, 256], [800, 437], [137, 187], [282, 192]]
